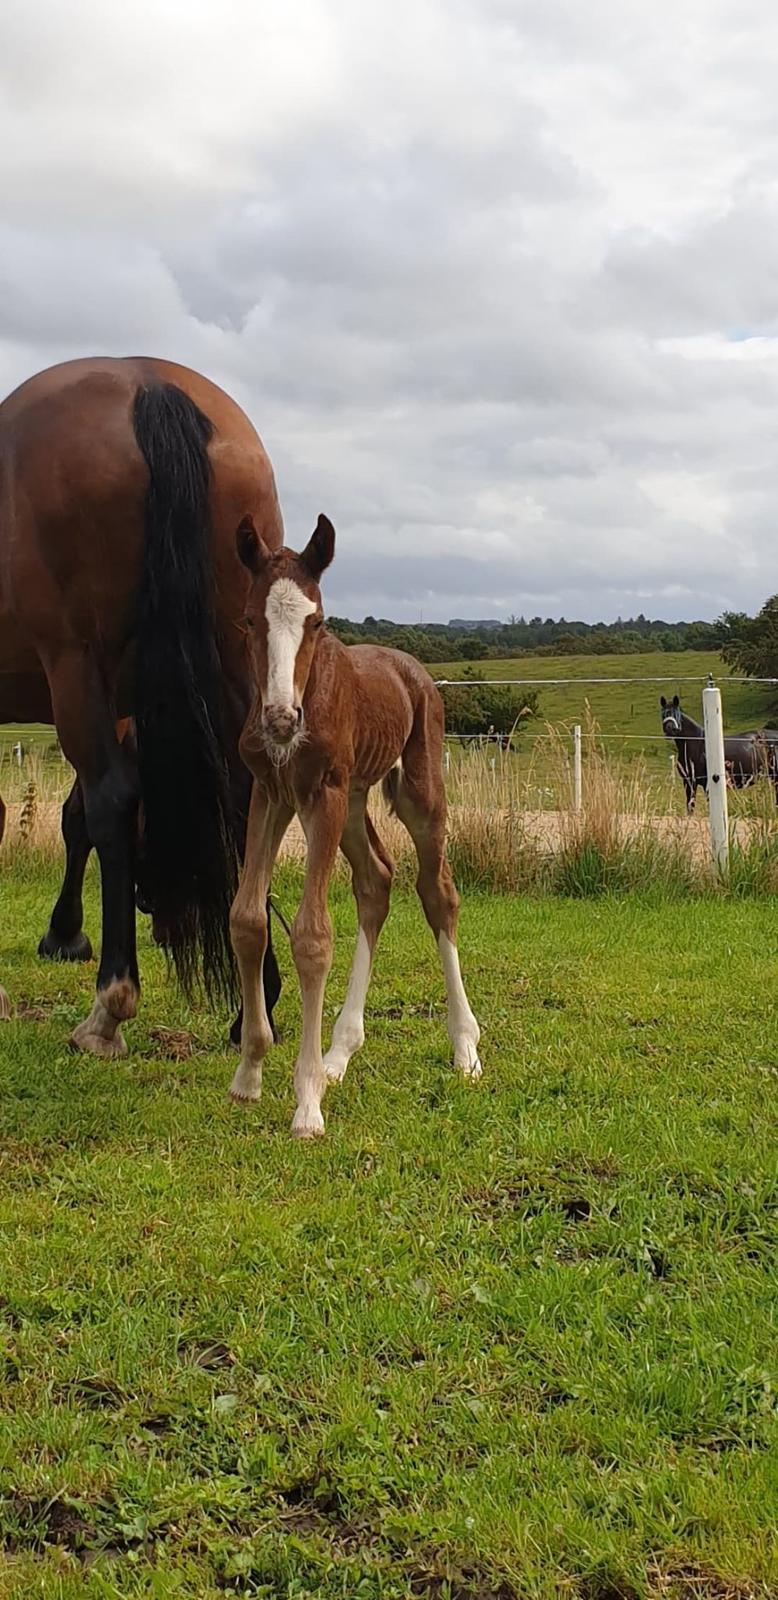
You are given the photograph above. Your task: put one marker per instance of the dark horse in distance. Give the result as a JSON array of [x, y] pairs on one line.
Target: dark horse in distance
[[122, 598], [746, 755]]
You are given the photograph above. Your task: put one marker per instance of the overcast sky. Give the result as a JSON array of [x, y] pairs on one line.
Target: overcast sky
[[497, 280]]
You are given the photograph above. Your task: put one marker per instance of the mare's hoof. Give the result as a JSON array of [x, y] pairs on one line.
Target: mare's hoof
[[84, 1038], [6, 1009], [53, 948]]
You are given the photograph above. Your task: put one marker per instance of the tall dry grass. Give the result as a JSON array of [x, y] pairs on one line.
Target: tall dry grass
[[622, 838], [512, 825]]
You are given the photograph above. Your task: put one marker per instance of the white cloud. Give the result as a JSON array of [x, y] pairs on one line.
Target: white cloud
[[496, 281]]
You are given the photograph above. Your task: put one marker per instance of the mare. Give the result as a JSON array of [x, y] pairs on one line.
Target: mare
[[328, 722], [122, 483], [746, 755]]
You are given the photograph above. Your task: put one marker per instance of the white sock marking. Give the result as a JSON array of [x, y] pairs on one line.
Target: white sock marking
[[348, 1034], [463, 1030]]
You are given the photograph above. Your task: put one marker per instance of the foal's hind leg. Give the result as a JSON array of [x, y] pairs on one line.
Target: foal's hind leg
[[371, 877], [420, 801]]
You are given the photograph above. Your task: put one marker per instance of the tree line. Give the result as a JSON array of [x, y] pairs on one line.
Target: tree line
[[441, 641]]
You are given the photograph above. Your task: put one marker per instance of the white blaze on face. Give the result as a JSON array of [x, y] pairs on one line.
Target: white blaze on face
[[286, 610]]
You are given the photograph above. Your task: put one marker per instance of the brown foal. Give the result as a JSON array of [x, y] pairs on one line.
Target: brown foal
[[328, 723]]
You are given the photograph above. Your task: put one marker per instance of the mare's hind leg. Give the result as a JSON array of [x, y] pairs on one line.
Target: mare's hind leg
[[371, 878], [65, 939], [6, 1011], [420, 801], [109, 785]]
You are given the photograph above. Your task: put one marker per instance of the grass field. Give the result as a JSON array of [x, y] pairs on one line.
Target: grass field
[[626, 716], [482, 1343], [626, 708]]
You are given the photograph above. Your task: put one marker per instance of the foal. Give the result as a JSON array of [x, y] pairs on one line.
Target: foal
[[328, 723]]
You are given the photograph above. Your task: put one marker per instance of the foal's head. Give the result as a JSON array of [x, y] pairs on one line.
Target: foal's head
[[284, 617], [672, 717]]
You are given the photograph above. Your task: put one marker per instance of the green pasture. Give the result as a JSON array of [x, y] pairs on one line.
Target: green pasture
[[482, 1343]]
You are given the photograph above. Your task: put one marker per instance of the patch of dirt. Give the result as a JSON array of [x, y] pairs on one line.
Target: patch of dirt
[[158, 1423], [47, 1522], [694, 1580], [96, 1393], [8, 1314], [549, 1396], [390, 1359], [606, 1587], [314, 1506], [467, 1583], [530, 1197], [210, 1354]]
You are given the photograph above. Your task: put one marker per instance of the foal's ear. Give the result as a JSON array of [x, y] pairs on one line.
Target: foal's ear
[[251, 547], [676, 702], [320, 548], [663, 702]]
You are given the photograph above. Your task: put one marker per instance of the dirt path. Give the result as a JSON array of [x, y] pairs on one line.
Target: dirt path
[[547, 831]]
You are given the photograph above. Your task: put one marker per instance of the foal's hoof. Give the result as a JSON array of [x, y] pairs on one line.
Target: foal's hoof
[[246, 1086], [466, 1061], [84, 1038], [6, 1009], [53, 948], [472, 1070], [307, 1124]]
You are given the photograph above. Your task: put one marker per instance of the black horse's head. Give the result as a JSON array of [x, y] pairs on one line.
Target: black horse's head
[[672, 717]]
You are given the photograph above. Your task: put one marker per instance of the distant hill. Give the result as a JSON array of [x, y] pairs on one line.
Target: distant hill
[[467, 625]]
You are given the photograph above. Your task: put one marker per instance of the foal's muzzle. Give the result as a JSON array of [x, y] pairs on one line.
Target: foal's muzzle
[[281, 724]]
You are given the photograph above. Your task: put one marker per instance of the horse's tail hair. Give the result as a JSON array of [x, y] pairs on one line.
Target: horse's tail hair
[[390, 785], [189, 845]]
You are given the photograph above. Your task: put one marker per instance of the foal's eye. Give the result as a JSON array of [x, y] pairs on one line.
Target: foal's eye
[[249, 621], [319, 623]]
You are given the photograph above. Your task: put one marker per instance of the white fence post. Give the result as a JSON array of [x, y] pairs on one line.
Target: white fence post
[[717, 776], [447, 761], [577, 769]]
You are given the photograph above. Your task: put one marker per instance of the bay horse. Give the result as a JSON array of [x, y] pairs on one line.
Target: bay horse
[[746, 755], [122, 483], [329, 721]]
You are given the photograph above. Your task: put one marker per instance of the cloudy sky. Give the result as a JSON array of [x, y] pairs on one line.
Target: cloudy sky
[[497, 280]]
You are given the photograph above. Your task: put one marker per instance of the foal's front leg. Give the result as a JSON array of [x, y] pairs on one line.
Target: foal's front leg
[[267, 825], [323, 824]]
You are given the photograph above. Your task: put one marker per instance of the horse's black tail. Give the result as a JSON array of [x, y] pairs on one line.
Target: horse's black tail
[[190, 857]]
